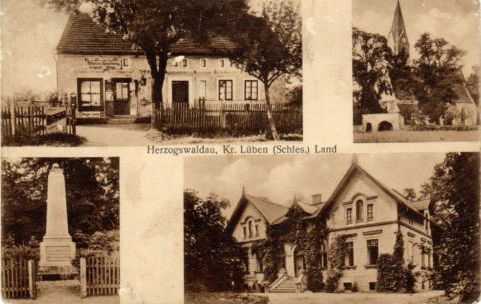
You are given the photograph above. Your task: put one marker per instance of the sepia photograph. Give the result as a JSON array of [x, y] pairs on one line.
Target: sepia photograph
[[366, 228], [116, 73], [415, 70], [60, 230]]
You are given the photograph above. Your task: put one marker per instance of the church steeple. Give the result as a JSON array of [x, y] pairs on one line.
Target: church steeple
[[398, 37]]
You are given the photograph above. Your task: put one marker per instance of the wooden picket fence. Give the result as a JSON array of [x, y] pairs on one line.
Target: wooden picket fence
[[99, 275], [237, 119], [32, 121], [18, 278]]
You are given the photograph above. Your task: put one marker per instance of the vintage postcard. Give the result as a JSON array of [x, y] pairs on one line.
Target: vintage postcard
[[240, 151]]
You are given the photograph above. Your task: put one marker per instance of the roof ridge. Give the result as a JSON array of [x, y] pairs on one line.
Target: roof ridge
[[267, 200]]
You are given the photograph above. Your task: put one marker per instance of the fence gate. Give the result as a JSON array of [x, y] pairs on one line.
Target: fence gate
[[19, 278], [99, 275]]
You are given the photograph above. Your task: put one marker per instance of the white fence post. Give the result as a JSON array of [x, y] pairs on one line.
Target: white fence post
[[83, 278], [31, 279]]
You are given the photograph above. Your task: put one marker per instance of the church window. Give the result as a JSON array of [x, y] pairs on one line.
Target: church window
[[359, 210], [372, 251], [349, 216]]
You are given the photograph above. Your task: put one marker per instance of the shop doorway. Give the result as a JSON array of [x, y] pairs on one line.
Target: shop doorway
[[121, 96], [180, 92]]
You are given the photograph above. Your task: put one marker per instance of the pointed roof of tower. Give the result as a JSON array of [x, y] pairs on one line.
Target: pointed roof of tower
[[398, 26]]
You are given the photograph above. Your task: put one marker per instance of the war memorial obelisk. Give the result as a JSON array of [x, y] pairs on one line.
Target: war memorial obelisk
[[57, 249]]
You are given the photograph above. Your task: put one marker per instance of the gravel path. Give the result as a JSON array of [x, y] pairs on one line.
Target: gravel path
[[63, 292]]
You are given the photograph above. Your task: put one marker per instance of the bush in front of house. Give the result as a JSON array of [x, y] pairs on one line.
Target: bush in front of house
[[392, 275]]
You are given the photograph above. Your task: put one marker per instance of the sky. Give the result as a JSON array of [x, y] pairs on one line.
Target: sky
[[457, 21], [280, 178], [30, 33]]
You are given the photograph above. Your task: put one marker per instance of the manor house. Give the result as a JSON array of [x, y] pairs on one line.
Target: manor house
[[111, 77], [361, 208]]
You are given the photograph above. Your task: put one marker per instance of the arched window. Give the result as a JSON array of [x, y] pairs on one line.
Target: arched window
[[359, 210], [250, 228]]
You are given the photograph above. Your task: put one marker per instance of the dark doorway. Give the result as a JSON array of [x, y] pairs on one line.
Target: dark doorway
[[385, 126], [368, 127], [121, 96], [180, 92]]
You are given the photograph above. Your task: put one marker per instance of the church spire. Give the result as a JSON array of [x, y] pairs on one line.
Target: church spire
[[398, 37]]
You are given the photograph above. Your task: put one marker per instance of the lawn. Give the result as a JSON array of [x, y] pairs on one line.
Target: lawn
[[224, 298], [416, 136]]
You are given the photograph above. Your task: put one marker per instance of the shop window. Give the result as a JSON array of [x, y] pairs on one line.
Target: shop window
[[90, 93], [225, 90], [359, 210], [349, 216], [349, 254], [251, 90], [372, 251], [370, 212]]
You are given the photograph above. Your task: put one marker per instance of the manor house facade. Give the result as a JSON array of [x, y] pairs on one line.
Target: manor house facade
[[362, 209]]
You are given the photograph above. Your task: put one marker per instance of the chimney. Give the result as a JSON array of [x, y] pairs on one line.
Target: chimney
[[316, 199]]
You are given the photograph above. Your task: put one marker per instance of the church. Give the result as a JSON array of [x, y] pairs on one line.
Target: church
[[366, 212], [400, 105]]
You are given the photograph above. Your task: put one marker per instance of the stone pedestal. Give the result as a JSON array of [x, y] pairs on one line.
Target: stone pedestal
[[57, 249]]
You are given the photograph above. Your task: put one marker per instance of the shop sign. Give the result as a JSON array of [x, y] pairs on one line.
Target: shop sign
[[103, 64], [90, 114]]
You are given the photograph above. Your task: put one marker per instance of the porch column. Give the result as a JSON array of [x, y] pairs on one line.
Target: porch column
[[289, 253]]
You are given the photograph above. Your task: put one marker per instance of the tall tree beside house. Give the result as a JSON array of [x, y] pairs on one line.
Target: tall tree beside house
[[154, 26], [473, 83], [455, 210], [371, 61], [91, 190], [270, 46], [436, 75], [409, 194], [212, 259]]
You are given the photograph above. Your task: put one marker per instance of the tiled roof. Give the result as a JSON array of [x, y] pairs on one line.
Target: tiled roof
[[83, 36], [271, 211], [421, 205]]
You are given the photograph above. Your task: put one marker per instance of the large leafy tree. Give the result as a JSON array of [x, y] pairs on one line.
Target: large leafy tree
[[211, 256], [155, 25], [455, 210], [437, 73], [269, 47], [371, 64], [92, 189]]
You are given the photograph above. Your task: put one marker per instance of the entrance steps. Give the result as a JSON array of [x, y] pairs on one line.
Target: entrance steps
[[285, 284], [122, 119]]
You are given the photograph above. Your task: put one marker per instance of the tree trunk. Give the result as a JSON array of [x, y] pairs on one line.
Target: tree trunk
[[157, 83], [270, 119]]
